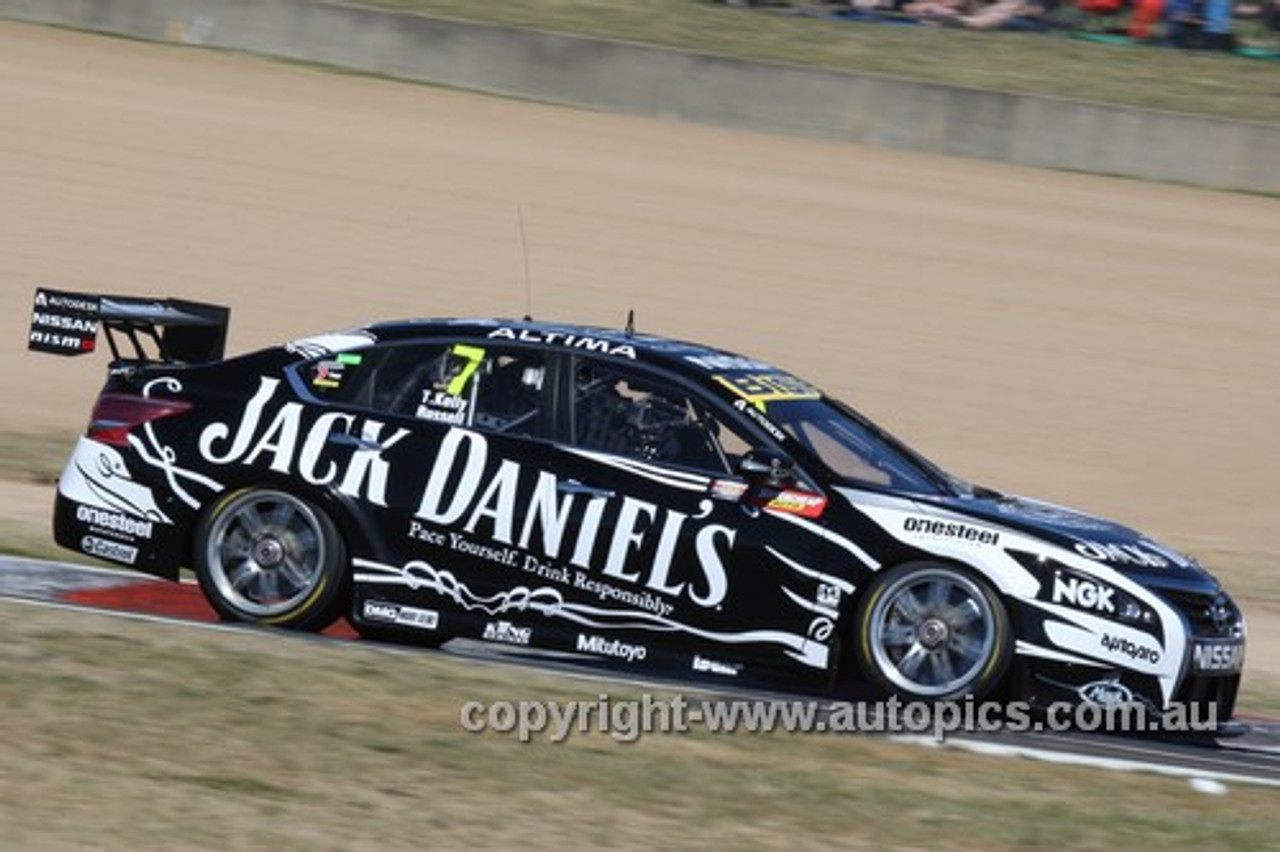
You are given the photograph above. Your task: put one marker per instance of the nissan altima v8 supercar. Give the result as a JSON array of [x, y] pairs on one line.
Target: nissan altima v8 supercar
[[609, 494]]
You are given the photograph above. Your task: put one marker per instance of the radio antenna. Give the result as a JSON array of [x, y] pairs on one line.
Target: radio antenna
[[528, 279], [631, 322]]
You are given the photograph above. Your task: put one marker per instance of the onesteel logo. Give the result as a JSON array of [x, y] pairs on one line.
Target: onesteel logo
[[950, 529], [114, 521]]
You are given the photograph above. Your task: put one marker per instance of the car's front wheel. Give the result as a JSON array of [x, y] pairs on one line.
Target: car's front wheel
[[267, 557], [932, 632]]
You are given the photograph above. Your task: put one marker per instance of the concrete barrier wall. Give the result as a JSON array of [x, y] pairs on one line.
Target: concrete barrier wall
[[642, 80]]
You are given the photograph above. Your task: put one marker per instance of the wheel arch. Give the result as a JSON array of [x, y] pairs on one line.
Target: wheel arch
[[850, 667], [975, 567], [352, 525], [336, 521]]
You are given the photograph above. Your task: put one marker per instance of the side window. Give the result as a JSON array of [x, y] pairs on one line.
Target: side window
[[440, 386], [509, 395], [340, 377], [459, 384], [624, 412]]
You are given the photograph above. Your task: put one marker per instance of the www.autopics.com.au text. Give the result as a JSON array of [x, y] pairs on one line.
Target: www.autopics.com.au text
[[628, 719]]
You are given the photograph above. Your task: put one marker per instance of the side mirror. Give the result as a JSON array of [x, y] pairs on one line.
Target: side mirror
[[771, 467]]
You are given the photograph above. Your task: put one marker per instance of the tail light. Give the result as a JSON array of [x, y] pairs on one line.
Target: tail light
[[116, 415]]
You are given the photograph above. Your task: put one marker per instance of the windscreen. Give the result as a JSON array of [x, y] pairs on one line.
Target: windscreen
[[848, 444]]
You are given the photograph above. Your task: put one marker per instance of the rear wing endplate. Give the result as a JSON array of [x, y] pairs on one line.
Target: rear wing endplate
[[164, 330]]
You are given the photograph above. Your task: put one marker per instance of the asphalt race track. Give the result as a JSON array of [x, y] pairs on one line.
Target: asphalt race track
[[1250, 755]]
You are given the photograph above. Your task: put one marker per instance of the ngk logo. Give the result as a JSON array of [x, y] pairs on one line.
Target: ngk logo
[[1084, 594]]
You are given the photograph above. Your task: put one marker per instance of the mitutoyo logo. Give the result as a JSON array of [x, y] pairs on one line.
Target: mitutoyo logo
[[611, 648]]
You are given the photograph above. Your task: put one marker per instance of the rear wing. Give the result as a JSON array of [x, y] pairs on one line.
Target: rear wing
[[163, 330]]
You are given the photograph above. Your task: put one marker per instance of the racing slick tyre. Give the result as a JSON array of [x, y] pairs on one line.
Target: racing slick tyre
[[931, 632], [267, 557]]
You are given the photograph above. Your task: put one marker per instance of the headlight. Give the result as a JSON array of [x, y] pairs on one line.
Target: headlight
[[1130, 611]]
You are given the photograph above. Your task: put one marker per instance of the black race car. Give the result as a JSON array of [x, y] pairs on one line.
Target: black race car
[[610, 494]]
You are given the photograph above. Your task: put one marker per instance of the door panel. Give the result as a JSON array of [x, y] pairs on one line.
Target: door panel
[[452, 524], [668, 552]]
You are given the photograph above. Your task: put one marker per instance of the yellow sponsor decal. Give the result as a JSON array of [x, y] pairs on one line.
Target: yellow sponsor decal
[[798, 503], [473, 355], [760, 389]]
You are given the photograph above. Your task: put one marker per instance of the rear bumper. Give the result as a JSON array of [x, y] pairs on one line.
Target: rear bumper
[[146, 546]]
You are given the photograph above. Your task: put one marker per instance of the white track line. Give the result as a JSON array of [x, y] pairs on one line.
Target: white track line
[[1064, 758]]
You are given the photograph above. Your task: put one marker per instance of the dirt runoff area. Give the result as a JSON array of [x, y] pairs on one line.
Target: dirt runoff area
[[1103, 343]]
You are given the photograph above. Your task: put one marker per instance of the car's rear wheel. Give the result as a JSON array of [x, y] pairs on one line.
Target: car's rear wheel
[[931, 632], [267, 557]]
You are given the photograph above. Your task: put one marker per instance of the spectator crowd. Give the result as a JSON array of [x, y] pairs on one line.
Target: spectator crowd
[[1190, 24]]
